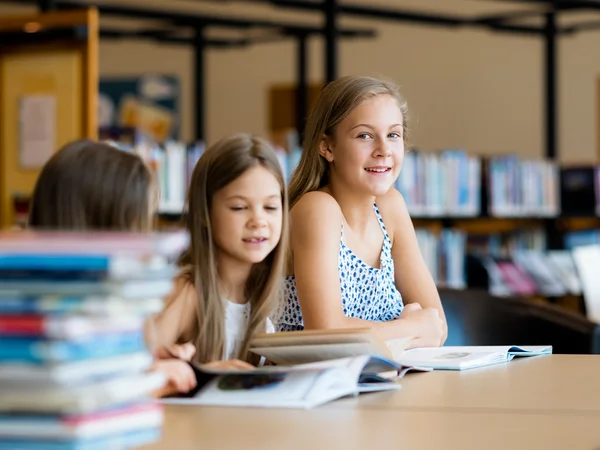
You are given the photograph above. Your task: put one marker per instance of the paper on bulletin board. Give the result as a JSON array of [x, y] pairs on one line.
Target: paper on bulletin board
[[37, 137]]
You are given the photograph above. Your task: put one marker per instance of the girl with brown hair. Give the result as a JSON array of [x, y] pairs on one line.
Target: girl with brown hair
[[232, 274], [355, 260], [89, 185]]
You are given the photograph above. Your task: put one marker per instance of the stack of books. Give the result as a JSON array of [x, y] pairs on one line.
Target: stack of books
[[74, 356]]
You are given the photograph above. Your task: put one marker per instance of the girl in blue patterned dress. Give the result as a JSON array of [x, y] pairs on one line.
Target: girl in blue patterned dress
[[354, 257]]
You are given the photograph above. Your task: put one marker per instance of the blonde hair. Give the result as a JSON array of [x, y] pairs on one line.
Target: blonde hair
[[88, 185], [336, 101], [221, 164]]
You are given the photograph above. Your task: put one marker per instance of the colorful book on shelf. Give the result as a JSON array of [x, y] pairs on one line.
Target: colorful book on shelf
[[467, 357]]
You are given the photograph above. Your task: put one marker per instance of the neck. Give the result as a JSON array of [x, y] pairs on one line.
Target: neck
[[233, 276], [357, 209]]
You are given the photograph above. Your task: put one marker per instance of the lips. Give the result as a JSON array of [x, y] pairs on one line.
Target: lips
[[378, 169], [255, 240]]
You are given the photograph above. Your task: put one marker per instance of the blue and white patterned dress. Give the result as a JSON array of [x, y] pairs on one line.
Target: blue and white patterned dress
[[367, 293]]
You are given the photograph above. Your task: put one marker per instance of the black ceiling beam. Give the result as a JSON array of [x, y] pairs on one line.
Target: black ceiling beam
[[193, 20], [164, 36], [583, 26], [411, 16], [562, 5], [509, 16]]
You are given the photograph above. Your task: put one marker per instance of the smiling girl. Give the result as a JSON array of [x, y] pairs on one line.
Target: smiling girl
[[230, 278], [355, 260]]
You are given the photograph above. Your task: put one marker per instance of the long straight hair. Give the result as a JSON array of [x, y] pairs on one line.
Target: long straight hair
[[89, 185], [221, 164], [335, 102]]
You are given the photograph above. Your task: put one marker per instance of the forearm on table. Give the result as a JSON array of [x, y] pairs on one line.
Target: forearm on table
[[383, 330]]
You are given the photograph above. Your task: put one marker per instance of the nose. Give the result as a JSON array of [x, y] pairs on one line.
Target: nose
[[383, 148], [257, 220]]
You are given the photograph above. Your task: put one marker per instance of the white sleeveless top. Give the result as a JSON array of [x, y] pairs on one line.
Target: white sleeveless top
[[237, 317]]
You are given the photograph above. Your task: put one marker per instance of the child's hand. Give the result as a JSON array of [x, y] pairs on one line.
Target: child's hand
[[230, 364], [428, 323], [180, 376], [184, 352]]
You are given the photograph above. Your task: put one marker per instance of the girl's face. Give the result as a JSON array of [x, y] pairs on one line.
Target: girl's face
[[246, 216], [368, 147]]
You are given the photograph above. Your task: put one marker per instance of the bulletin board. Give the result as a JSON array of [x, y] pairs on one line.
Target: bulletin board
[[48, 97]]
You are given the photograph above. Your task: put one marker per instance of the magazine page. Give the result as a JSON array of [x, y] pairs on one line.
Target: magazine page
[[275, 388]]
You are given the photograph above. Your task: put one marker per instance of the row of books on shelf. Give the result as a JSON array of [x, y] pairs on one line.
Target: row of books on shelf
[[452, 183], [448, 183], [515, 263], [74, 360]]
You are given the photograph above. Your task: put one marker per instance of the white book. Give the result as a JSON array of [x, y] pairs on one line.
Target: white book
[[73, 373], [467, 357], [135, 417], [587, 258], [81, 399]]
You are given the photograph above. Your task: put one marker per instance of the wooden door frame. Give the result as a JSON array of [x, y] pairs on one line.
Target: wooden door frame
[[89, 49]]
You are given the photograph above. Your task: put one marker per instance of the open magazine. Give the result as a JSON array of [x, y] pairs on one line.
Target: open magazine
[[464, 357], [298, 386]]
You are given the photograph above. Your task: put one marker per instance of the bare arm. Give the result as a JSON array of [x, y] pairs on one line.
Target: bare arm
[[412, 276], [315, 239], [176, 321]]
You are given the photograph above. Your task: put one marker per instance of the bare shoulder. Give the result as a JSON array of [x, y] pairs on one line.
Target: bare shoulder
[[315, 217], [393, 211], [183, 293], [316, 203]]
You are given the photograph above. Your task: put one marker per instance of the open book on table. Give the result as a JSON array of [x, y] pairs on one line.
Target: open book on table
[[299, 347], [465, 357], [298, 386]]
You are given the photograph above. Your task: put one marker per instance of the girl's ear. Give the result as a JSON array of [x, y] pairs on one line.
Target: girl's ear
[[325, 150]]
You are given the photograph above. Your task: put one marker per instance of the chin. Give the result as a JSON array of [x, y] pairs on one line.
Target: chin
[[257, 258], [380, 190]]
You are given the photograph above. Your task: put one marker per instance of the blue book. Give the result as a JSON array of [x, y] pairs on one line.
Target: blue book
[[83, 304], [41, 351], [121, 441], [48, 267]]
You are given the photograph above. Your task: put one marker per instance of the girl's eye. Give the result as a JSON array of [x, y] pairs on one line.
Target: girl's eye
[[363, 136], [395, 135], [272, 208], [237, 208]]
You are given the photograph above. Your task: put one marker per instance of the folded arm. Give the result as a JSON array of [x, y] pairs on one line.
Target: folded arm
[[315, 241], [412, 276]]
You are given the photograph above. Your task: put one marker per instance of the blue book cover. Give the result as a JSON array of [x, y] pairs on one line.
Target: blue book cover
[[121, 441], [59, 305], [41, 351]]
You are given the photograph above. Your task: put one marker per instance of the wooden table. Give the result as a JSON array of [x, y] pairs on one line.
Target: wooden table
[[561, 384], [548, 402]]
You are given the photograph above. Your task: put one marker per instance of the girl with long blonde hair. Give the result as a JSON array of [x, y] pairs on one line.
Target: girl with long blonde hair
[[232, 274], [355, 260]]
